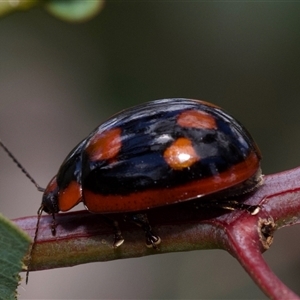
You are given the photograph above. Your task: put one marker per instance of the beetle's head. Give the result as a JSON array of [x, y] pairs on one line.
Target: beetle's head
[[50, 198]]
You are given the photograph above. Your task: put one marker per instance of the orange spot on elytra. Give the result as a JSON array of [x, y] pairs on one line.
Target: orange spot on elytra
[[105, 145], [181, 154], [70, 196], [196, 119]]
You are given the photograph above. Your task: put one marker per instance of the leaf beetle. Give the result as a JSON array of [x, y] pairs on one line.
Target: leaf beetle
[[155, 154]]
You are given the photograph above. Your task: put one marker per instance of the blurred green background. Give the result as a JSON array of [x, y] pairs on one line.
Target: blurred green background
[[58, 81]]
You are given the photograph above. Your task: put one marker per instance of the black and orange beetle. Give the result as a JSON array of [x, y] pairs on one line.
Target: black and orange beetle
[[156, 154]]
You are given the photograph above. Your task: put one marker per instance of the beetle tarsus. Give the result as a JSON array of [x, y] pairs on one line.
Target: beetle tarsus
[[233, 205], [118, 239], [152, 241], [141, 220]]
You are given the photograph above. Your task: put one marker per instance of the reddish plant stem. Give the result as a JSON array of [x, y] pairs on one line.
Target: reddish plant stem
[[83, 237], [246, 246]]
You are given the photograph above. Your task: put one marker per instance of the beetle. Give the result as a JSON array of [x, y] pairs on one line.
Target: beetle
[[156, 154]]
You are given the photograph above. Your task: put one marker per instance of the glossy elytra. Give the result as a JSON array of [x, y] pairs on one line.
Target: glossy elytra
[[156, 154]]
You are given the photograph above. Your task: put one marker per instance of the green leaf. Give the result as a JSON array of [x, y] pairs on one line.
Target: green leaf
[[14, 245], [74, 10]]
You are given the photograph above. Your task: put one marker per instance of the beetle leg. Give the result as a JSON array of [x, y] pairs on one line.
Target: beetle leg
[[53, 225], [229, 205], [152, 240], [118, 238], [232, 205]]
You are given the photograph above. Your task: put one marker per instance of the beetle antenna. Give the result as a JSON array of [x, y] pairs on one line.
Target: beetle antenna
[[39, 188], [40, 211]]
